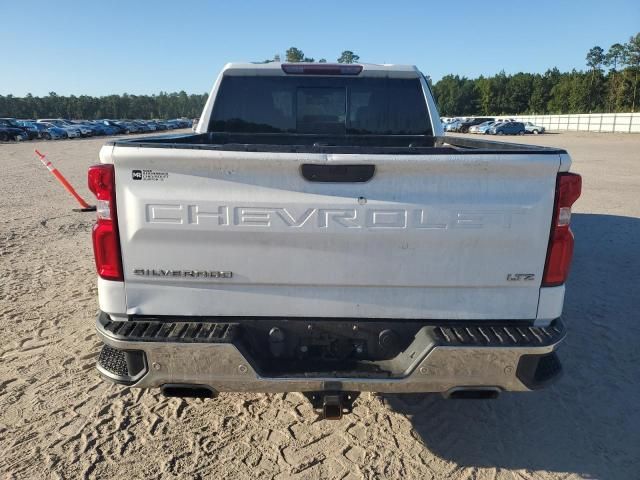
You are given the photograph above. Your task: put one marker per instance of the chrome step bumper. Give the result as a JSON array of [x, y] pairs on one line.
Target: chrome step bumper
[[148, 354]]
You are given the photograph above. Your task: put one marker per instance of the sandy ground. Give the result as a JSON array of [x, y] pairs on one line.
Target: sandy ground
[[58, 419]]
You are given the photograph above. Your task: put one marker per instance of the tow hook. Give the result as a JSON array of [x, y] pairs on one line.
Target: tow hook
[[332, 405]]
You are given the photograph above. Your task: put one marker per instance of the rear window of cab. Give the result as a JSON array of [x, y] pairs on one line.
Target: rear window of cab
[[321, 105]]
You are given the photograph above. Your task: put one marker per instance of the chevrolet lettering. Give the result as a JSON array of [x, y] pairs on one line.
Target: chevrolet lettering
[[324, 218]]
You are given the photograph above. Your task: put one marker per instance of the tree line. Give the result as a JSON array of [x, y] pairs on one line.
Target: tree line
[[163, 105], [609, 84], [294, 55]]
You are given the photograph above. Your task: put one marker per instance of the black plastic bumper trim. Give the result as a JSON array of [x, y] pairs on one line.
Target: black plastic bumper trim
[[538, 371], [122, 366]]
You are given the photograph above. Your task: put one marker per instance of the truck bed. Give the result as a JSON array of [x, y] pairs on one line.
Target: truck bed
[[440, 145]]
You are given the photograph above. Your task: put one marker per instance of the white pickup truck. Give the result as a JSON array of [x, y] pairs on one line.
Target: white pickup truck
[[318, 233]]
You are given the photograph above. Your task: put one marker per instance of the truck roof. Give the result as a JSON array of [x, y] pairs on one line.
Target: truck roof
[[276, 69]]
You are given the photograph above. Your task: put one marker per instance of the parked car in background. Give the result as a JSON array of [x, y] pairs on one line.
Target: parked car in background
[[11, 133], [180, 123], [25, 133], [484, 125], [108, 128], [85, 130], [72, 132], [31, 128], [467, 124], [94, 129], [532, 128], [43, 131], [508, 128], [486, 129], [52, 132], [123, 126], [117, 126], [142, 125], [98, 128], [32, 125], [452, 126], [132, 127]]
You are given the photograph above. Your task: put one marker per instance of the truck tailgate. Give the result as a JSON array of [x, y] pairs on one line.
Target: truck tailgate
[[443, 236]]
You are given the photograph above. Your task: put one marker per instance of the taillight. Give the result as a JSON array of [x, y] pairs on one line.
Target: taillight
[[106, 244], [560, 250]]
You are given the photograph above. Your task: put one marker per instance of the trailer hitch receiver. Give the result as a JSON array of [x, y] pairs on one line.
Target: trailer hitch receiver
[[332, 405]]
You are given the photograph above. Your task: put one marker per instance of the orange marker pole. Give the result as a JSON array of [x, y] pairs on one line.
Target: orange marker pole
[[85, 206]]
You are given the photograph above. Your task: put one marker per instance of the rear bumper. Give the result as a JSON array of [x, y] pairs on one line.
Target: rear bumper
[[440, 359]]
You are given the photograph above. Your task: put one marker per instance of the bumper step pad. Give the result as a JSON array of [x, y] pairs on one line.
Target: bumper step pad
[[500, 336], [179, 332]]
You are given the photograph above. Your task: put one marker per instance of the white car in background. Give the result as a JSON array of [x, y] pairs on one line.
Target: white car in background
[[533, 128]]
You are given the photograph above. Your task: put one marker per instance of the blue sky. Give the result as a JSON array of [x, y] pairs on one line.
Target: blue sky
[[102, 47]]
